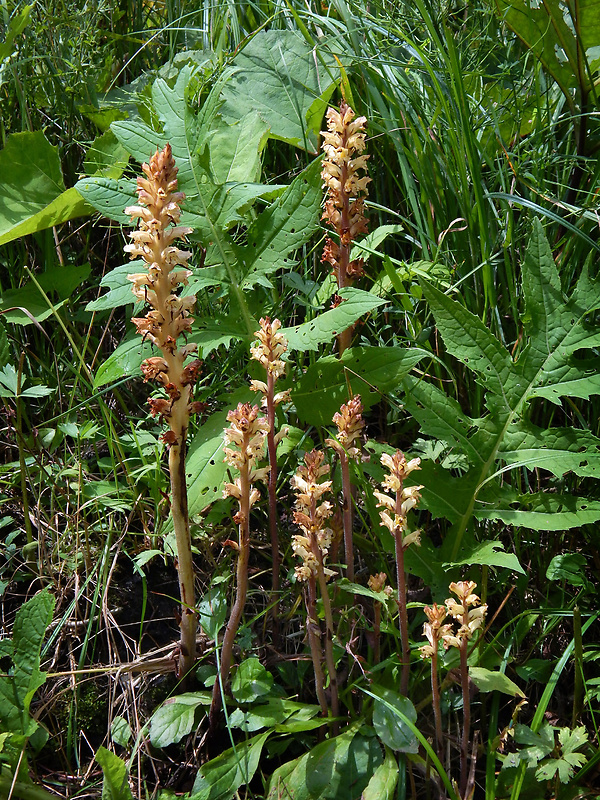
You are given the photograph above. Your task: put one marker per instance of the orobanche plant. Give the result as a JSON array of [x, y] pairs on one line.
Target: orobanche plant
[[168, 320]]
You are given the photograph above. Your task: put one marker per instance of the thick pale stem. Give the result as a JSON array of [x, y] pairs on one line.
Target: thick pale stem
[[402, 611], [333, 681], [272, 488], [435, 695], [466, 732], [185, 566], [314, 640], [347, 516], [240, 596]]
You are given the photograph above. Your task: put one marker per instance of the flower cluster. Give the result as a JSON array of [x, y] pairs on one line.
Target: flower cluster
[[271, 344], [469, 620], [343, 143], [159, 214], [350, 425], [394, 517], [244, 446], [433, 630], [311, 515]]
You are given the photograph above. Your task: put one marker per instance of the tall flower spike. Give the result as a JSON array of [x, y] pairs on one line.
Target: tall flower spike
[[311, 516], [434, 632], [244, 446], [469, 621], [350, 425], [159, 213], [312, 546], [267, 350], [344, 143], [394, 517]]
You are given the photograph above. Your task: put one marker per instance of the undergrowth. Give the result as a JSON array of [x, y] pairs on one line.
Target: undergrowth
[[382, 404]]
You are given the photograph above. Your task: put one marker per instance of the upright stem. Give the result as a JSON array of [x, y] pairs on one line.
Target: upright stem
[[347, 516], [240, 596], [333, 681], [272, 490], [185, 565], [402, 612], [314, 640], [464, 745], [437, 712]]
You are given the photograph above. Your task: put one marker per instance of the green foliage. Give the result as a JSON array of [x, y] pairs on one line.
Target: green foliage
[[176, 718], [221, 778], [337, 769], [390, 725], [554, 329], [289, 90], [115, 785], [470, 146], [32, 188], [23, 677], [538, 748], [564, 36]]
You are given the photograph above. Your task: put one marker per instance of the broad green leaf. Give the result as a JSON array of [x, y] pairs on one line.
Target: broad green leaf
[[327, 326], [205, 467], [382, 785], [176, 718], [337, 769], [272, 713], [569, 567], [282, 228], [121, 294], [109, 196], [16, 25], [279, 75], [235, 150], [220, 778], [390, 727], [571, 740], [120, 731], [212, 610], [58, 281], [251, 681], [546, 512], [32, 190], [4, 347], [370, 372], [219, 332], [106, 156], [490, 681], [17, 689], [537, 745], [115, 785], [564, 36], [489, 554], [125, 360], [555, 328], [467, 338]]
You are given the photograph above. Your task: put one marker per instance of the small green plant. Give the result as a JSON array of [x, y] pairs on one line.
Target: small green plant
[[20, 664]]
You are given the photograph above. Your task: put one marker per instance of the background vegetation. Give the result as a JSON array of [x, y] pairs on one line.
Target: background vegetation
[[475, 349]]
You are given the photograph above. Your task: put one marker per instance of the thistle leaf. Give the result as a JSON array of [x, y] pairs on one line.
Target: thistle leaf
[[554, 329]]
